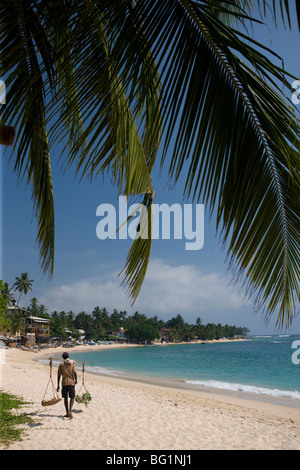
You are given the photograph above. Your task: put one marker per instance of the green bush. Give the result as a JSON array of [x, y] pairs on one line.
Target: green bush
[[9, 421]]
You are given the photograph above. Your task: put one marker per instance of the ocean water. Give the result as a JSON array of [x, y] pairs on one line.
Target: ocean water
[[259, 366]]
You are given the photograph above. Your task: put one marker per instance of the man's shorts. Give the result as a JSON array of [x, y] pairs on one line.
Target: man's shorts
[[68, 390]]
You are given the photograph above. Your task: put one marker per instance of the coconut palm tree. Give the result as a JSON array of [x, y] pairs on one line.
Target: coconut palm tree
[[6, 294], [116, 80], [34, 307], [23, 284], [16, 324], [4, 324]]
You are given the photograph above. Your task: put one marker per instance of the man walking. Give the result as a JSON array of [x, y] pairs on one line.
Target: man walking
[[67, 370]]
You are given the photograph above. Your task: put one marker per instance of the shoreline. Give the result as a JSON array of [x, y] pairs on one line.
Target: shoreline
[[141, 415], [280, 400]]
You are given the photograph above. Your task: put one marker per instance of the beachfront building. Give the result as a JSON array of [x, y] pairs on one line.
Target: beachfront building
[[164, 335], [6, 337], [119, 335], [26, 329], [33, 329], [37, 328], [15, 310]]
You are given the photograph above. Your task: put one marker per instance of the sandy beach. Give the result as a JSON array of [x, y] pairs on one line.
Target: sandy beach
[[130, 415]]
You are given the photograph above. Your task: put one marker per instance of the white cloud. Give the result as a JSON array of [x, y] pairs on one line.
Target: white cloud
[[185, 289], [167, 291], [85, 294]]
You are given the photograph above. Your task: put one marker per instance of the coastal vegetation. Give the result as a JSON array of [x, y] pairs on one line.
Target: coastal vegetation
[[137, 327], [10, 421], [102, 325], [22, 285]]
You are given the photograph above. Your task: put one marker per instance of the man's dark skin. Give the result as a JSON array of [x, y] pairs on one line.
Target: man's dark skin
[[67, 406]]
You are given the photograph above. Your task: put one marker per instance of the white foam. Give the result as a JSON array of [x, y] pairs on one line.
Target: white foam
[[102, 370], [246, 388]]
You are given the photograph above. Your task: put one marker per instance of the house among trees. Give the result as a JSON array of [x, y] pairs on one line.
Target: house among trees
[[164, 334], [15, 316], [28, 328], [15, 310], [37, 328], [119, 335]]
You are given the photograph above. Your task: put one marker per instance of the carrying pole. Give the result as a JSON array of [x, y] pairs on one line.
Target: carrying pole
[[55, 398], [83, 369], [50, 364]]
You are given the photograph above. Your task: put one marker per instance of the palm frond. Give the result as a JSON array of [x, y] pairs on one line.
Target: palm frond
[[127, 121], [22, 42], [119, 134], [285, 9], [135, 269], [100, 76], [235, 139], [230, 11], [76, 95]]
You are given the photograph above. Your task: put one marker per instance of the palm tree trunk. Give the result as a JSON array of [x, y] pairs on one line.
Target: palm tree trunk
[[19, 297]]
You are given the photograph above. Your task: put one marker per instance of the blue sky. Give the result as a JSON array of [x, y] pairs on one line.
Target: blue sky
[[192, 283]]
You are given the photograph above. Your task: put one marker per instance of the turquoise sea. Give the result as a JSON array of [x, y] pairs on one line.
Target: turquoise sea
[[261, 367]]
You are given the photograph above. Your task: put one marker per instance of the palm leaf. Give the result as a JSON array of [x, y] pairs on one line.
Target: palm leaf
[[135, 269], [236, 142], [115, 136], [76, 92], [19, 39], [284, 6], [135, 134], [227, 127]]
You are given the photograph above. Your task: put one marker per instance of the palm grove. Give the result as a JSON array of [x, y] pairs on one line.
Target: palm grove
[[101, 324], [125, 84]]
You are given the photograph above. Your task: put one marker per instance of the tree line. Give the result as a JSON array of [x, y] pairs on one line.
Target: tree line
[[102, 324]]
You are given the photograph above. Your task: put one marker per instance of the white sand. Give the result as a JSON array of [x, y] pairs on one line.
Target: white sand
[[127, 415]]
